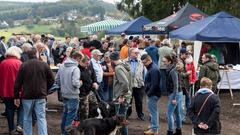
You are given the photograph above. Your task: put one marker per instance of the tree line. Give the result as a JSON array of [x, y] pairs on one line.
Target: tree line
[[159, 9]]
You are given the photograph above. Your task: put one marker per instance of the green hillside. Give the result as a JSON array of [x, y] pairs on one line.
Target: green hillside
[[21, 11], [39, 29]]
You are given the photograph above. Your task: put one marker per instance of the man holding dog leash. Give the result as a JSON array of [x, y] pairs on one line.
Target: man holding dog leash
[[121, 88]]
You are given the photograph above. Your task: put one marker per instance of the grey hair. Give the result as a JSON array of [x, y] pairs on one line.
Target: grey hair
[[133, 49], [23, 39], [14, 51], [26, 47]]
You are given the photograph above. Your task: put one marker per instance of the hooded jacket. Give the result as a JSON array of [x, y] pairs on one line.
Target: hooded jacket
[[68, 77], [210, 112], [121, 82], [211, 71], [152, 50]]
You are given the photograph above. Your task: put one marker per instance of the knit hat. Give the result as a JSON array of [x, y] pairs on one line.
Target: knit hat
[[114, 56], [183, 51]]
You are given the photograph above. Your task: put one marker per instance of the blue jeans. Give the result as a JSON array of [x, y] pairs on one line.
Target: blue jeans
[[20, 115], [185, 106], [70, 108], [103, 94], [153, 110], [107, 93], [121, 110], [39, 106], [10, 110], [174, 109]]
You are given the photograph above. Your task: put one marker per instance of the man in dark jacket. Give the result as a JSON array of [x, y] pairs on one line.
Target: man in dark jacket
[[210, 70], [153, 92], [35, 77], [152, 51], [204, 110], [87, 96], [184, 81]]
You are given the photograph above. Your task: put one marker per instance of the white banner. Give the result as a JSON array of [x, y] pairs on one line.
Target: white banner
[[197, 49]]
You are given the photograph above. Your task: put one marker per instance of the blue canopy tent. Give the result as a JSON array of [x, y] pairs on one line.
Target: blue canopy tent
[[184, 16], [132, 27], [221, 27]]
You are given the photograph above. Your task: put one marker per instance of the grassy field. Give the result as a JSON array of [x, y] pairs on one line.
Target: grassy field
[[36, 29]]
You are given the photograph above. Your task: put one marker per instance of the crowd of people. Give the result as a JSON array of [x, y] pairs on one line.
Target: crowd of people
[[111, 70]]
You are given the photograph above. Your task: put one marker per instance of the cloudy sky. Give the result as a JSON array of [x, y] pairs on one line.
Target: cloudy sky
[[110, 1]]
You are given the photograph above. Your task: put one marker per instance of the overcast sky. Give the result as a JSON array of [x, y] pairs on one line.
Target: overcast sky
[[110, 1]]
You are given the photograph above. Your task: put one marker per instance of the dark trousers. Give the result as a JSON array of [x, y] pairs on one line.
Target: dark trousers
[[163, 82], [102, 95], [137, 94], [10, 110]]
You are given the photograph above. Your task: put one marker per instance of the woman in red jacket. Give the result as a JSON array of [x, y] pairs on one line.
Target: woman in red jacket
[[190, 67], [8, 72]]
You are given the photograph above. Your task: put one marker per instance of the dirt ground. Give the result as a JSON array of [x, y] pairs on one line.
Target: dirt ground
[[230, 117]]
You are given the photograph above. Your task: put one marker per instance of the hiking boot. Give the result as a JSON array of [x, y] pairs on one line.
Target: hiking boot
[[150, 132]]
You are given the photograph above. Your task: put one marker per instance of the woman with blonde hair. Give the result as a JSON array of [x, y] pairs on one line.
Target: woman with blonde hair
[[56, 52], [9, 68], [43, 52]]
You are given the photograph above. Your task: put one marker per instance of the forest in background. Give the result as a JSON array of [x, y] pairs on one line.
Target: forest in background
[[159, 9]]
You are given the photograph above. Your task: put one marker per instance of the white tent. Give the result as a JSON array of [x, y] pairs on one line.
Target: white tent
[[101, 26]]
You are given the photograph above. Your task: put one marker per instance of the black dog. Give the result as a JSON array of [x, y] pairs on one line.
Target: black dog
[[102, 110], [94, 126]]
